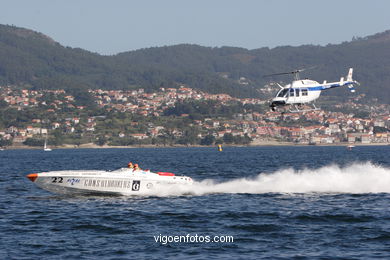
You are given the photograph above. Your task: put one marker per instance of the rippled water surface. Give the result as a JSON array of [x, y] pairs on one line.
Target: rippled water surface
[[276, 202]]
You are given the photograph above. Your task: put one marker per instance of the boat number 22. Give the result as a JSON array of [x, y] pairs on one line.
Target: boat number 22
[[57, 179]]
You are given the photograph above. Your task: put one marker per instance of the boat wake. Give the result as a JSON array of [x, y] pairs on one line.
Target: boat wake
[[355, 178]]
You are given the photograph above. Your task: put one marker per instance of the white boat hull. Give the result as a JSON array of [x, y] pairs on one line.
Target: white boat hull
[[119, 182]]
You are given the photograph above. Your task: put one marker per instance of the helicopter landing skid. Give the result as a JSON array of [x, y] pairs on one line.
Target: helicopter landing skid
[[299, 110]]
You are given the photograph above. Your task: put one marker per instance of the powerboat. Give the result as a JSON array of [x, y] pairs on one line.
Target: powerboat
[[124, 181]]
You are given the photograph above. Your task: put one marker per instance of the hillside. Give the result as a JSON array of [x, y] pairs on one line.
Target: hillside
[[28, 57]]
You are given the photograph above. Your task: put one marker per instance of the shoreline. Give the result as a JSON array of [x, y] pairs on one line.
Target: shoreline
[[257, 144]]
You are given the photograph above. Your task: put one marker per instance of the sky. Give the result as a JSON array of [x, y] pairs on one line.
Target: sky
[[112, 26]]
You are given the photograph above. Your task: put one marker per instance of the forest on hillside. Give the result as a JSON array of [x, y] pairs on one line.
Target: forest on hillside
[[33, 60]]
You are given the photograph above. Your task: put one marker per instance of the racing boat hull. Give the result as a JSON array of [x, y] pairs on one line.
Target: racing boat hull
[[120, 182]]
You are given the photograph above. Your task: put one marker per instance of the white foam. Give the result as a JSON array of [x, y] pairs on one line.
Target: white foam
[[355, 178]]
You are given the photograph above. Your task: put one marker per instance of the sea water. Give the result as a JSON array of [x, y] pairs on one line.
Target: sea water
[[270, 202]]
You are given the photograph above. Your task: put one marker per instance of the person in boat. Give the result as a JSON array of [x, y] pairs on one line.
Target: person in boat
[[130, 165], [136, 167]]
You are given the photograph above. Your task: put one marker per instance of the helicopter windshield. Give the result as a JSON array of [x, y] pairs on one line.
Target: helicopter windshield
[[282, 92]]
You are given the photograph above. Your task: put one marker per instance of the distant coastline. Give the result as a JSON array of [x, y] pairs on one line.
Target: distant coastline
[[253, 144]]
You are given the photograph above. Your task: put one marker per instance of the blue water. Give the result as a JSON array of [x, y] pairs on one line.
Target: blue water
[[276, 202]]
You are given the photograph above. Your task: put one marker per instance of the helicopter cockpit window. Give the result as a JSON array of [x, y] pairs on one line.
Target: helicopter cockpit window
[[292, 92], [282, 92], [304, 92], [297, 92]]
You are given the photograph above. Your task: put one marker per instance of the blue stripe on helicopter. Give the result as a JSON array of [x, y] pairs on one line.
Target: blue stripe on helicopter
[[323, 87], [316, 88]]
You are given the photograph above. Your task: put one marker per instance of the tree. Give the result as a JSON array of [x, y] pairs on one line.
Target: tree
[[362, 114], [219, 141], [82, 97], [242, 139], [101, 140], [5, 142], [228, 138], [379, 129], [34, 142], [208, 140], [3, 104], [58, 138], [125, 141], [190, 135]]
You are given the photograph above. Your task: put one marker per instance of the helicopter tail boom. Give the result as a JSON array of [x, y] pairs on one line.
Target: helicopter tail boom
[[349, 82]]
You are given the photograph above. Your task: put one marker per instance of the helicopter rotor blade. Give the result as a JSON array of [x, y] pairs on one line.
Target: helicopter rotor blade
[[282, 73], [308, 68], [290, 72]]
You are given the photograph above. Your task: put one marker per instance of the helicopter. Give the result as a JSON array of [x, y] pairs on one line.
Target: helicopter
[[303, 91]]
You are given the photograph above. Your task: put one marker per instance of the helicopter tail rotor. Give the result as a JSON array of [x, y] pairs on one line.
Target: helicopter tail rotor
[[349, 78]]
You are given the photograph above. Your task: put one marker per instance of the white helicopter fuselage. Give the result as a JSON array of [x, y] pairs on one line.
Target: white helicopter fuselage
[[298, 92], [304, 91]]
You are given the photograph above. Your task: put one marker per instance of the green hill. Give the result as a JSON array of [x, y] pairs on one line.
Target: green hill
[[28, 57]]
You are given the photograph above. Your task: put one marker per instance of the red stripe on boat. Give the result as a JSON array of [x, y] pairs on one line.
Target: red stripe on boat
[[165, 174]]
